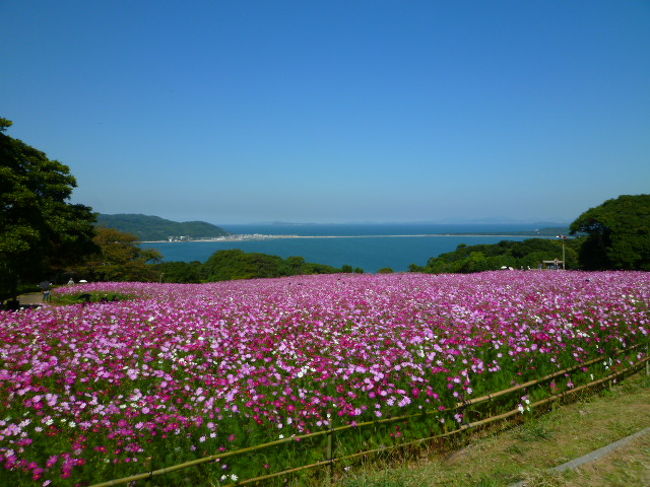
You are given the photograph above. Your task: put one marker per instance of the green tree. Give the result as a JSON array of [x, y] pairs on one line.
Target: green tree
[[294, 265], [180, 272], [475, 262], [507, 253], [119, 259], [236, 264], [40, 231], [385, 270], [5, 124], [618, 234]]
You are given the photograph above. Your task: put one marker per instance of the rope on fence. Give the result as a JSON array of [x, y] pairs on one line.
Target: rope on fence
[[330, 432]]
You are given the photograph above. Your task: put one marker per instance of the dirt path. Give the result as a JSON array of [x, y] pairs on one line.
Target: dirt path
[[31, 299]]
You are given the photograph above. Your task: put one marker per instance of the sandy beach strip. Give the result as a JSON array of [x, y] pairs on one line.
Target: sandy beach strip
[[258, 237]]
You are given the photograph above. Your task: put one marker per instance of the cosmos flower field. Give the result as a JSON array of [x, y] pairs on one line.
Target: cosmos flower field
[[95, 392]]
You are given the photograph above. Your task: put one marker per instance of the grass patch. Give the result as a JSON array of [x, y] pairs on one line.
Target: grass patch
[[544, 479], [88, 297], [377, 482], [533, 430]]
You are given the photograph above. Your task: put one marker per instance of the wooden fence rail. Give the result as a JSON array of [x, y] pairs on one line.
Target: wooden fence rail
[[331, 432]]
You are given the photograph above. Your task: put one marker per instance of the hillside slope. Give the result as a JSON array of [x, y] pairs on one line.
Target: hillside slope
[[156, 228]]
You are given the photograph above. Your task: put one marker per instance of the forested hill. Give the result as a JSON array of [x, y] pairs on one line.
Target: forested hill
[[156, 228]]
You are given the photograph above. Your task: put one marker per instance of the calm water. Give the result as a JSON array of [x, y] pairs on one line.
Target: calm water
[[374, 228], [370, 253]]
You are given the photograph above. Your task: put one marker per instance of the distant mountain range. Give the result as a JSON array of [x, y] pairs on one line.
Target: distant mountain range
[[155, 228]]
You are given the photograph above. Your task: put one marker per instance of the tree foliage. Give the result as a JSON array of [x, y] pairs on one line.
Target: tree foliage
[[476, 258], [5, 124], [618, 234], [40, 231], [231, 264], [180, 272], [119, 258], [236, 264]]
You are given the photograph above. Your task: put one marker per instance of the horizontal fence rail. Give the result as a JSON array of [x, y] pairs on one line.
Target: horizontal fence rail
[[331, 432], [525, 385]]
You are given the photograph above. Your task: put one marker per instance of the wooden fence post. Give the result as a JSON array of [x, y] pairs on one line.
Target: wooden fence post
[[330, 449]]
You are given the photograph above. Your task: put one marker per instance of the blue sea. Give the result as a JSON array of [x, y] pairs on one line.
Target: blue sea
[[369, 246]]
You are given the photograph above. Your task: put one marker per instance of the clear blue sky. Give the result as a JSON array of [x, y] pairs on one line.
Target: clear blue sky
[[327, 111]]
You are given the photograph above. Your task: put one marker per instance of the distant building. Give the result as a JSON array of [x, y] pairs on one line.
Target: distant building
[[554, 264], [179, 238]]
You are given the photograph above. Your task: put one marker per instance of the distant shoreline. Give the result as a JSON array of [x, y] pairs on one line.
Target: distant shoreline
[[261, 237]]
